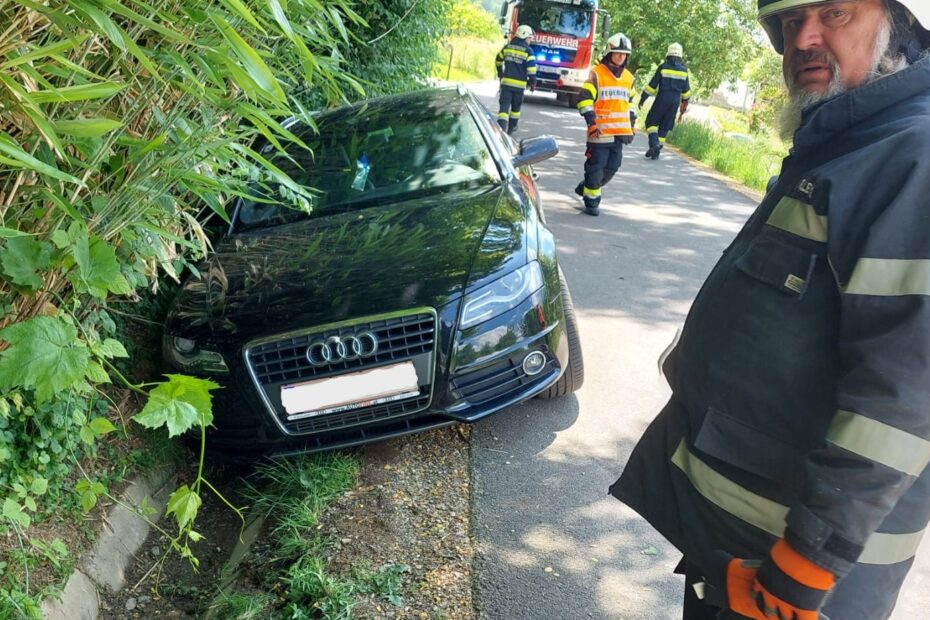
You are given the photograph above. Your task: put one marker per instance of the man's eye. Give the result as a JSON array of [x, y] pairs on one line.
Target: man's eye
[[836, 17]]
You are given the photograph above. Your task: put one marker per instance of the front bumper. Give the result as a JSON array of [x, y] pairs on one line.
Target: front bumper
[[476, 372]]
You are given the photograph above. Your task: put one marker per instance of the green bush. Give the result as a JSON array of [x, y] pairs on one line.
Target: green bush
[[751, 162]]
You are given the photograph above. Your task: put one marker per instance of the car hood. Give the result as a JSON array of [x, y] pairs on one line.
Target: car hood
[[380, 259]]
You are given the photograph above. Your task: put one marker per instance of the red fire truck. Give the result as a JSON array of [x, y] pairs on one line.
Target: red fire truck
[[566, 41]]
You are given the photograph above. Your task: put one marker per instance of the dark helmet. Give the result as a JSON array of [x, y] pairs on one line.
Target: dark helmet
[[913, 15]]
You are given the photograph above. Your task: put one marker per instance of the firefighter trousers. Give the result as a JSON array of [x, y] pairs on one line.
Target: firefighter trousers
[[660, 121], [601, 164], [510, 100]]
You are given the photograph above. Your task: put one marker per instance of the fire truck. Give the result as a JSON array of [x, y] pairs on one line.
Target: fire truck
[[569, 35]]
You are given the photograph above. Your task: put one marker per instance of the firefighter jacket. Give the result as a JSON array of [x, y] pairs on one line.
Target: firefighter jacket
[[516, 64], [669, 85], [801, 380], [605, 101]]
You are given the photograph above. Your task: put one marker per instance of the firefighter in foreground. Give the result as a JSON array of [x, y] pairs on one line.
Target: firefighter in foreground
[[516, 68], [605, 106], [672, 88], [790, 464]]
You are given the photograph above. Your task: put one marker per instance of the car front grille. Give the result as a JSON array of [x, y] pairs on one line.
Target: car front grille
[[498, 380], [283, 361]]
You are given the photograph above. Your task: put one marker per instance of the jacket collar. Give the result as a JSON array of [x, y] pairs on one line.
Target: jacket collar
[[829, 118]]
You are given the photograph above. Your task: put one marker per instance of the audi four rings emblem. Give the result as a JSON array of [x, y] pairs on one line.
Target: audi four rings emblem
[[342, 348]]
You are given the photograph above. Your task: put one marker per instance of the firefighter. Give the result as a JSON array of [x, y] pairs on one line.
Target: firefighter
[[672, 88], [605, 106], [790, 464], [516, 68]]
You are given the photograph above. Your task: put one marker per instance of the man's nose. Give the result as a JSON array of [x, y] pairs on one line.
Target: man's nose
[[809, 33]]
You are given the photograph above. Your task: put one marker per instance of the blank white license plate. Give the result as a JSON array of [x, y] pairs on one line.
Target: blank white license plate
[[350, 391]]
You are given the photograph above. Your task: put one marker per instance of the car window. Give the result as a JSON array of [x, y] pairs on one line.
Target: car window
[[371, 154]]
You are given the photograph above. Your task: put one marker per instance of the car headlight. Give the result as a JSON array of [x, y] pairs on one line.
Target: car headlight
[[501, 295], [187, 354]]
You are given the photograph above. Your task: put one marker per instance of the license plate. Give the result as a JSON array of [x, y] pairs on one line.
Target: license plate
[[350, 391]]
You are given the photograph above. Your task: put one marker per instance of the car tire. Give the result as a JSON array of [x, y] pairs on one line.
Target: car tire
[[573, 377]]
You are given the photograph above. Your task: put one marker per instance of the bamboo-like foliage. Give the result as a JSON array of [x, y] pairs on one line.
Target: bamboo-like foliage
[[121, 120]]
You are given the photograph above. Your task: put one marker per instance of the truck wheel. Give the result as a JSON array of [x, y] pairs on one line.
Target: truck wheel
[[573, 377]]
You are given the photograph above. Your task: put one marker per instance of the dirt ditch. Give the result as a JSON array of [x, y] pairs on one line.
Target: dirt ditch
[[410, 507]]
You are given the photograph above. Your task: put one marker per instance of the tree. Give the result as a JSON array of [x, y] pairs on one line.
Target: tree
[[468, 19], [717, 35], [764, 77]]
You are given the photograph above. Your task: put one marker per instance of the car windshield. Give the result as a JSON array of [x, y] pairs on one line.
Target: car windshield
[[556, 19], [376, 153]]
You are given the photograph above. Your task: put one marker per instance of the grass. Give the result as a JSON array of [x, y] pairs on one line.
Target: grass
[[752, 163], [295, 493], [472, 59]]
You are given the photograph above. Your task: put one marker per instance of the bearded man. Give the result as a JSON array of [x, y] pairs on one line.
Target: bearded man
[[790, 464]]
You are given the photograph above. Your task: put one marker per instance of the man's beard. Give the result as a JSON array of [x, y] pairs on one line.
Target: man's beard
[[885, 62]]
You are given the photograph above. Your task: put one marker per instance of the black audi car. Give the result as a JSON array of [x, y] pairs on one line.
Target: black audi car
[[420, 288]]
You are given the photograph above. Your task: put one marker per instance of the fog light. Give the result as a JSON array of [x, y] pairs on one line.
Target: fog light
[[533, 363]]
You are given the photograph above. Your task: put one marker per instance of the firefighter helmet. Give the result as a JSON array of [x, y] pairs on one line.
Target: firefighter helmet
[[525, 32], [917, 11], [619, 43], [675, 49]]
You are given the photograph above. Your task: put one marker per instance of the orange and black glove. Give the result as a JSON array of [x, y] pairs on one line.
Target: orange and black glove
[[593, 132], [787, 586]]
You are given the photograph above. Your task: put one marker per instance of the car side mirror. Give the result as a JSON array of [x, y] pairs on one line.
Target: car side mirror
[[535, 150]]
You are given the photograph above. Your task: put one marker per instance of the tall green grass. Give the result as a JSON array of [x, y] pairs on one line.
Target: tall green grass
[[752, 163], [472, 59]]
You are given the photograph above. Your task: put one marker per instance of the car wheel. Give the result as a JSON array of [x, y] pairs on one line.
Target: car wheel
[[573, 377]]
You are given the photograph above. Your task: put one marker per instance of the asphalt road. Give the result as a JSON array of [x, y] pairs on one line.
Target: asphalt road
[[552, 545]]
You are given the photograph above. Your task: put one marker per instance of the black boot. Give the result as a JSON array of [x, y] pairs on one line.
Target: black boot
[[658, 152], [592, 210], [579, 189], [652, 153]]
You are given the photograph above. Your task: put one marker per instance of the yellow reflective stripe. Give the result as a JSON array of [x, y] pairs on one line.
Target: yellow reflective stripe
[[879, 442], [514, 114], [650, 90], [799, 218], [661, 139], [592, 193], [503, 115], [531, 71], [513, 82], [729, 496], [769, 516], [652, 129], [883, 549], [514, 51], [584, 109], [588, 86], [889, 277], [686, 94], [586, 102], [672, 73]]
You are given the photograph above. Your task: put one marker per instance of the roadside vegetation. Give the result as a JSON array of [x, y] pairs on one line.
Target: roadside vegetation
[[750, 159], [127, 128], [468, 53]]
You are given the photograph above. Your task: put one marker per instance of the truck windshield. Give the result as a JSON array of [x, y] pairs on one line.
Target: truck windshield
[[557, 18]]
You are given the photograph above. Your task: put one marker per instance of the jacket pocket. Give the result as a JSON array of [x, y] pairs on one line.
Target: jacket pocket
[[749, 449], [784, 266]]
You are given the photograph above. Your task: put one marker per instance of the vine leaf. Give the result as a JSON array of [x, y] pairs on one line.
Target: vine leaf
[[23, 258], [184, 504], [97, 268], [44, 354], [14, 512], [179, 403]]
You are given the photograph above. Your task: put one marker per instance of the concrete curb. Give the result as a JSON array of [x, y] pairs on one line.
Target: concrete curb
[[121, 534]]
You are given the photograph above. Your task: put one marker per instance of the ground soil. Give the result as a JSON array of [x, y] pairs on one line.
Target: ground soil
[[411, 507]]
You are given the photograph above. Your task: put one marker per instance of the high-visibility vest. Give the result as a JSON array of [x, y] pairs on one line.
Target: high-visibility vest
[[612, 106]]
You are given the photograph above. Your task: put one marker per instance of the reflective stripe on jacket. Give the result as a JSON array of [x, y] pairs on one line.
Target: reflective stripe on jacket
[[801, 381], [516, 64], [670, 80], [608, 96]]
